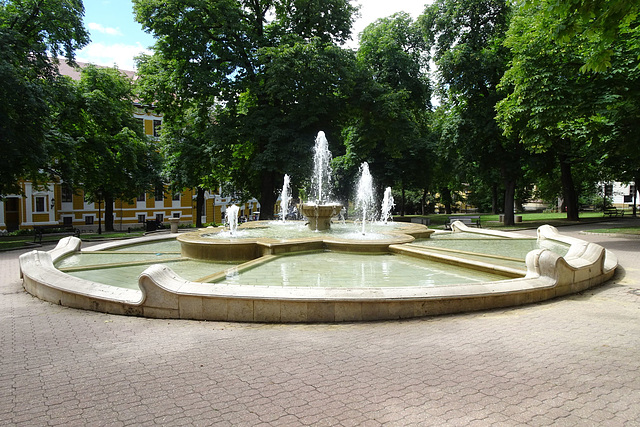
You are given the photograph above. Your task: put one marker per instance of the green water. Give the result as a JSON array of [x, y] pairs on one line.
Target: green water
[[341, 270], [490, 245]]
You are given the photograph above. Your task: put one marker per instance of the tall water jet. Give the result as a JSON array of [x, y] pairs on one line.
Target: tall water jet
[[232, 218], [318, 210], [285, 197], [364, 194], [321, 179], [387, 206]]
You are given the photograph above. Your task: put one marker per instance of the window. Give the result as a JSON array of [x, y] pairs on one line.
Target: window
[[67, 194], [142, 218], [142, 197], [175, 196], [176, 214], [159, 218], [67, 221], [159, 195], [40, 205], [608, 190], [157, 127], [88, 220]]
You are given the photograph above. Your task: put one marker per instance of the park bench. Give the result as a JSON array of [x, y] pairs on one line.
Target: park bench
[[63, 230], [469, 220], [421, 220], [613, 212]]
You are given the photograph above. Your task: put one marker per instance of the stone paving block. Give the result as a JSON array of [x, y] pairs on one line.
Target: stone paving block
[[570, 361]]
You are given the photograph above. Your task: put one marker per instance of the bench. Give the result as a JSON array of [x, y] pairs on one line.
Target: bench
[[421, 220], [613, 212], [469, 220], [64, 230]]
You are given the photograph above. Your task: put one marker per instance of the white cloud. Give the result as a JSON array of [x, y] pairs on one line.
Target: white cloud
[[104, 30], [119, 54]]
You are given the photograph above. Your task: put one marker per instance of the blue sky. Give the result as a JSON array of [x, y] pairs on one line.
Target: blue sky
[[116, 38]]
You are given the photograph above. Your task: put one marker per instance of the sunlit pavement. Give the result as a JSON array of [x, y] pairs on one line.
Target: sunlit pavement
[[571, 361]]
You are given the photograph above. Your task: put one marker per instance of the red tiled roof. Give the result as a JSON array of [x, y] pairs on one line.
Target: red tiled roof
[[73, 72]]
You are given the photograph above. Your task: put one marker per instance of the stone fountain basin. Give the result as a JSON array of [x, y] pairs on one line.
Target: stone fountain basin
[[163, 294], [200, 245]]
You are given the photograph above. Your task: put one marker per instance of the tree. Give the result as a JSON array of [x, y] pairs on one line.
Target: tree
[[32, 31], [390, 103], [552, 106], [467, 41], [225, 60], [112, 157], [601, 22]]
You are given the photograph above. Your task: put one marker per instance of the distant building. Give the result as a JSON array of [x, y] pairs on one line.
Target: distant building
[[58, 204]]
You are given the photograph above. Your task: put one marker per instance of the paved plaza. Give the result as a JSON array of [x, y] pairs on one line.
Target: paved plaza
[[573, 361]]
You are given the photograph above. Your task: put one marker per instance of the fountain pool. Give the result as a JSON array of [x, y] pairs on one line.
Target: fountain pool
[[285, 272], [317, 278]]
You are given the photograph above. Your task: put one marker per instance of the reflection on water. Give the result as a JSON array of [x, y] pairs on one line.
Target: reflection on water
[[342, 270]]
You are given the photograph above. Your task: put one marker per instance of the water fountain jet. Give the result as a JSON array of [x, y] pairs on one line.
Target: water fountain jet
[[387, 206]]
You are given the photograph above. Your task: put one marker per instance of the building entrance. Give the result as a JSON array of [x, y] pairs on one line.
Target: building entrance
[[12, 213]]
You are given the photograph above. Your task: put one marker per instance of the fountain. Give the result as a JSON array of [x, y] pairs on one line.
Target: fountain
[[387, 206], [364, 194], [315, 277], [319, 211], [232, 218], [285, 197]]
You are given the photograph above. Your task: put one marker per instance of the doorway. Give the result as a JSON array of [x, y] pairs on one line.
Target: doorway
[[12, 213]]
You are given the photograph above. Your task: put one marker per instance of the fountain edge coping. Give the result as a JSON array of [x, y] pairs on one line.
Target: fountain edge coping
[[164, 294]]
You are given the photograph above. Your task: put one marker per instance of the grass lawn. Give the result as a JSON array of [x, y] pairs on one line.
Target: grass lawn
[[529, 220], [22, 241], [622, 230]]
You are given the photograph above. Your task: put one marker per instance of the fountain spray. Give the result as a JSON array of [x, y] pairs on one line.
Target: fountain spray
[[387, 205], [364, 193], [285, 197], [232, 218]]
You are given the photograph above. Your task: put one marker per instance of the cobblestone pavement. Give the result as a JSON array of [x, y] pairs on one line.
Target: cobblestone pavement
[[571, 361]]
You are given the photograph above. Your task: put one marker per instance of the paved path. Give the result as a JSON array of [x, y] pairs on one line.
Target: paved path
[[571, 361]]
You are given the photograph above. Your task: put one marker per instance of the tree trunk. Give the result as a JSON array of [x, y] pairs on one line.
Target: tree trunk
[[494, 198], [199, 206], [568, 189], [423, 202], [445, 195], [108, 212], [509, 204], [267, 195], [402, 202]]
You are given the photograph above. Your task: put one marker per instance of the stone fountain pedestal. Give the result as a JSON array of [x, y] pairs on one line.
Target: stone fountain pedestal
[[319, 216]]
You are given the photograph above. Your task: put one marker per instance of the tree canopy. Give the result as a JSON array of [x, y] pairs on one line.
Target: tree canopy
[[31, 33]]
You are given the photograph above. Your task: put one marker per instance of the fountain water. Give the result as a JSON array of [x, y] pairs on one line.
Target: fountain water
[[232, 218], [321, 179], [285, 197], [387, 205], [318, 210], [364, 195]]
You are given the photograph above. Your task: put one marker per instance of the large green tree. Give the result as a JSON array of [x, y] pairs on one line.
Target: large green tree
[[466, 37], [111, 157], [31, 33], [391, 100], [553, 107], [267, 74]]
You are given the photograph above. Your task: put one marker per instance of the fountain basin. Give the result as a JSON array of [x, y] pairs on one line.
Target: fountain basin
[[164, 294], [207, 244], [319, 216]]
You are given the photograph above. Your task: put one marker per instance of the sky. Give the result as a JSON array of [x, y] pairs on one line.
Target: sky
[[116, 38]]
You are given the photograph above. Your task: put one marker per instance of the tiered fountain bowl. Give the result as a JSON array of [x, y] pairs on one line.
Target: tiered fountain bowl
[[319, 216], [252, 242]]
